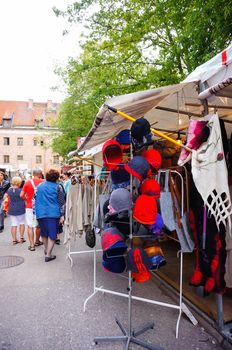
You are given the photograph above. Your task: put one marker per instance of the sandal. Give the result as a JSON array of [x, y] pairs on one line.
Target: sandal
[[22, 240], [15, 242], [37, 244], [32, 249]]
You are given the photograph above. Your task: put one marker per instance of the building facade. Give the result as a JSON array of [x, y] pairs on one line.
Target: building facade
[[26, 133]]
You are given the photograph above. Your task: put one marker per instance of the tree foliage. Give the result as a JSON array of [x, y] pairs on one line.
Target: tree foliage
[[132, 45]]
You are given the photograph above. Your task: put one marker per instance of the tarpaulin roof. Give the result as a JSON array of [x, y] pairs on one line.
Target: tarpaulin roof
[[215, 74], [167, 108]]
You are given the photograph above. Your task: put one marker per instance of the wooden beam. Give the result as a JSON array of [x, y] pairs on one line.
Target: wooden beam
[[209, 106], [191, 114]]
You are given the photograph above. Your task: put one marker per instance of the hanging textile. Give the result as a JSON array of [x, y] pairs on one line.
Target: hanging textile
[[73, 215], [210, 174]]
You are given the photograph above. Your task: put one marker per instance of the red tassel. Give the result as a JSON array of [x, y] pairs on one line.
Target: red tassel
[[214, 264], [209, 285], [196, 278]]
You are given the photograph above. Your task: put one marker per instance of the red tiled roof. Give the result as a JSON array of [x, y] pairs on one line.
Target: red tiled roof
[[23, 116]]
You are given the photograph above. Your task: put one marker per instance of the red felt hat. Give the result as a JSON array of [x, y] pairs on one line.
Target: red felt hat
[[154, 158], [112, 154], [145, 209], [151, 188]]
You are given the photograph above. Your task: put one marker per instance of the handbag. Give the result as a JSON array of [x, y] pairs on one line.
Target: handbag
[[90, 237], [165, 202]]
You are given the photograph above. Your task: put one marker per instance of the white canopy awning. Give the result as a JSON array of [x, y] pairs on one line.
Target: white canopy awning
[[215, 75], [167, 109]]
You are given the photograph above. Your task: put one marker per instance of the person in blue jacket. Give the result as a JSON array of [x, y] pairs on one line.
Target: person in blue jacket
[[49, 210]]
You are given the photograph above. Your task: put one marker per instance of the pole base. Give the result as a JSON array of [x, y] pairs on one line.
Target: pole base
[[130, 338]]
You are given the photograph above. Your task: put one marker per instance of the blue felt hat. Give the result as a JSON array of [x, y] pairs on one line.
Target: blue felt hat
[[157, 261], [120, 177], [124, 137], [113, 264], [138, 167]]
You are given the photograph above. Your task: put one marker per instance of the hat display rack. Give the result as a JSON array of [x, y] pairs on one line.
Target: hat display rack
[[129, 335]]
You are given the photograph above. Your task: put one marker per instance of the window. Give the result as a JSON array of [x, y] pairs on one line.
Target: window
[[56, 159], [19, 141], [19, 157], [37, 142], [6, 159], [38, 159], [6, 141]]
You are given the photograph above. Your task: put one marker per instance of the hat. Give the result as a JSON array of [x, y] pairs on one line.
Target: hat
[[120, 177], [157, 261], [140, 229], [138, 167], [145, 210], [138, 260], [154, 158], [150, 187], [141, 134], [113, 264], [152, 249], [105, 208], [112, 239], [156, 256], [121, 221], [123, 137], [120, 200], [157, 227], [112, 154]]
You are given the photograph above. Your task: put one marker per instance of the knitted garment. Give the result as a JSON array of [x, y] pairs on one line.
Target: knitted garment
[[73, 216], [210, 175]]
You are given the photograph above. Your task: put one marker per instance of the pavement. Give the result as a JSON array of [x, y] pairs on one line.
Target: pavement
[[41, 305]]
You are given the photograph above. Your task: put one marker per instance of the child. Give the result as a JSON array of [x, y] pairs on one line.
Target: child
[[16, 210]]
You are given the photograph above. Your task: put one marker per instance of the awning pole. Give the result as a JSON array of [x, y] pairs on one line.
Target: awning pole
[[88, 161], [128, 117]]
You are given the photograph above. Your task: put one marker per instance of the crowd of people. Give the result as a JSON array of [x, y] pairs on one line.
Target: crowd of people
[[38, 203]]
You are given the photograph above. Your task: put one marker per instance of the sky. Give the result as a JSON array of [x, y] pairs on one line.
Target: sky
[[32, 45]]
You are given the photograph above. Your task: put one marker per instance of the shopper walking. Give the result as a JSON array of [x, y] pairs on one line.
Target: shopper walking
[[49, 207], [66, 181], [16, 210], [27, 194], [4, 186]]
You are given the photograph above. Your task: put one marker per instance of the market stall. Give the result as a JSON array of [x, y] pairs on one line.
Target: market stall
[[169, 110]]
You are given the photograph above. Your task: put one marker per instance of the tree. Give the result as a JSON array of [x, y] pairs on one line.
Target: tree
[[132, 45]]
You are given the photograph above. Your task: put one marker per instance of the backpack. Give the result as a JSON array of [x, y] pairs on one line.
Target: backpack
[[34, 196]]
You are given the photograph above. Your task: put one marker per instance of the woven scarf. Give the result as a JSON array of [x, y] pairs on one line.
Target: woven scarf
[[210, 174]]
